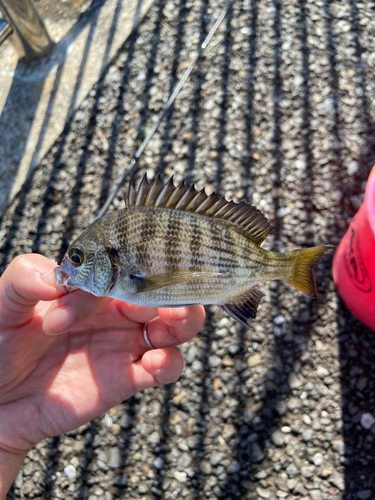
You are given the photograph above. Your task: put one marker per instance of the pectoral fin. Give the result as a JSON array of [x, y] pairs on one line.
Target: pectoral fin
[[245, 307], [144, 284]]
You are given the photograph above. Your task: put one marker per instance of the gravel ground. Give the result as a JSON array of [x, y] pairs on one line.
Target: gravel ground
[[280, 112]]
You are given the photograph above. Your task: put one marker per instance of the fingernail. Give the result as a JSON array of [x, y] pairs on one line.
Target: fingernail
[[179, 313], [59, 320], [48, 277]]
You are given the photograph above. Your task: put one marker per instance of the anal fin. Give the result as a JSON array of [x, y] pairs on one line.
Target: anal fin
[[245, 307]]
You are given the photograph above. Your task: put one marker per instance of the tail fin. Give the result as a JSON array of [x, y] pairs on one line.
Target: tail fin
[[302, 276]]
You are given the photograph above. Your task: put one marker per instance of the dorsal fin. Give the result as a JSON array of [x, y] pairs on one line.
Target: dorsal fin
[[243, 216]]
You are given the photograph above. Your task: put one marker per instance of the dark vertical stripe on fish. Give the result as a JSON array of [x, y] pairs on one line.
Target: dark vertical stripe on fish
[[120, 232], [195, 247], [147, 233], [172, 240], [217, 244], [230, 246]]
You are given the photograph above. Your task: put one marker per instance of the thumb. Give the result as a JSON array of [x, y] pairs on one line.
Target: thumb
[[27, 280]]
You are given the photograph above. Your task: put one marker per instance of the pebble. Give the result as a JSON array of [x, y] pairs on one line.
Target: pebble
[[181, 477], [306, 419], [107, 420], [281, 494], [184, 461], [19, 479], [126, 421], [338, 445], [278, 438], [307, 435], [322, 371], [214, 361], [154, 438], [279, 320], [70, 472], [254, 361], [205, 467], [292, 470], [337, 480], [216, 457], [291, 484], [326, 472], [308, 471], [142, 489], [194, 441], [293, 381], [364, 494], [115, 457], [318, 459], [228, 362], [262, 493], [178, 399], [29, 468], [158, 463], [367, 420], [352, 167], [286, 429], [257, 453], [315, 495], [234, 468], [191, 354]]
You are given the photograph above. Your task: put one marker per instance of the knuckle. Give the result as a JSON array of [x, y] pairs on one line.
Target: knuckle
[[173, 333]]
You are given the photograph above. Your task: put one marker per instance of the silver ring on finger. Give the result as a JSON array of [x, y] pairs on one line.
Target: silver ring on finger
[[145, 336]]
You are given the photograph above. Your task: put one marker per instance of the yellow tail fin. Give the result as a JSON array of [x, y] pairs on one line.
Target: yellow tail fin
[[302, 276]]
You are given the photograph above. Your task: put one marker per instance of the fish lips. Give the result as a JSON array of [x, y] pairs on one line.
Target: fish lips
[[63, 273]]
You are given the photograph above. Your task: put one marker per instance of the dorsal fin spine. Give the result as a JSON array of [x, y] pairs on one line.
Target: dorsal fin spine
[[174, 197], [196, 201], [207, 203], [142, 192], [214, 209], [165, 193], [153, 191], [225, 209], [185, 198], [130, 198]]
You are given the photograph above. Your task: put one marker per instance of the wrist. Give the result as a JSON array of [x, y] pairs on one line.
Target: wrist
[[10, 463]]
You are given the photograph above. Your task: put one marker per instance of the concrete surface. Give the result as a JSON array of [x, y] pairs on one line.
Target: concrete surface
[[36, 101]]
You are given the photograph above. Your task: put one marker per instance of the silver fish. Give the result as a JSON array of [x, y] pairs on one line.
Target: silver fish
[[174, 246]]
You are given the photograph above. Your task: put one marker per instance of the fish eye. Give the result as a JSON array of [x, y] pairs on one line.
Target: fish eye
[[75, 256]]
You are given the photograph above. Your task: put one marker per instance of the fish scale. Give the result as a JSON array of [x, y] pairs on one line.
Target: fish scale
[[174, 246]]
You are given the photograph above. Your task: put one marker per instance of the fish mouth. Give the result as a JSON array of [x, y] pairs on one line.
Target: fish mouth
[[61, 276]]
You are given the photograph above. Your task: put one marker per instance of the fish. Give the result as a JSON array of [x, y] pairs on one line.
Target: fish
[[175, 246]]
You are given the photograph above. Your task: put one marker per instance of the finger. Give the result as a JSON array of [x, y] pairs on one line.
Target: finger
[[27, 280], [158, 367], [134, 313], [163, 365], [175, 326], [68, 312]]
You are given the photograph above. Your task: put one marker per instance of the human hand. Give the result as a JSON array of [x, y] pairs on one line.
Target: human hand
[[67, 357]]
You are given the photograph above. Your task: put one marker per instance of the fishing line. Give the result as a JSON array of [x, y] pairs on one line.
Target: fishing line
[[170, 101]]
